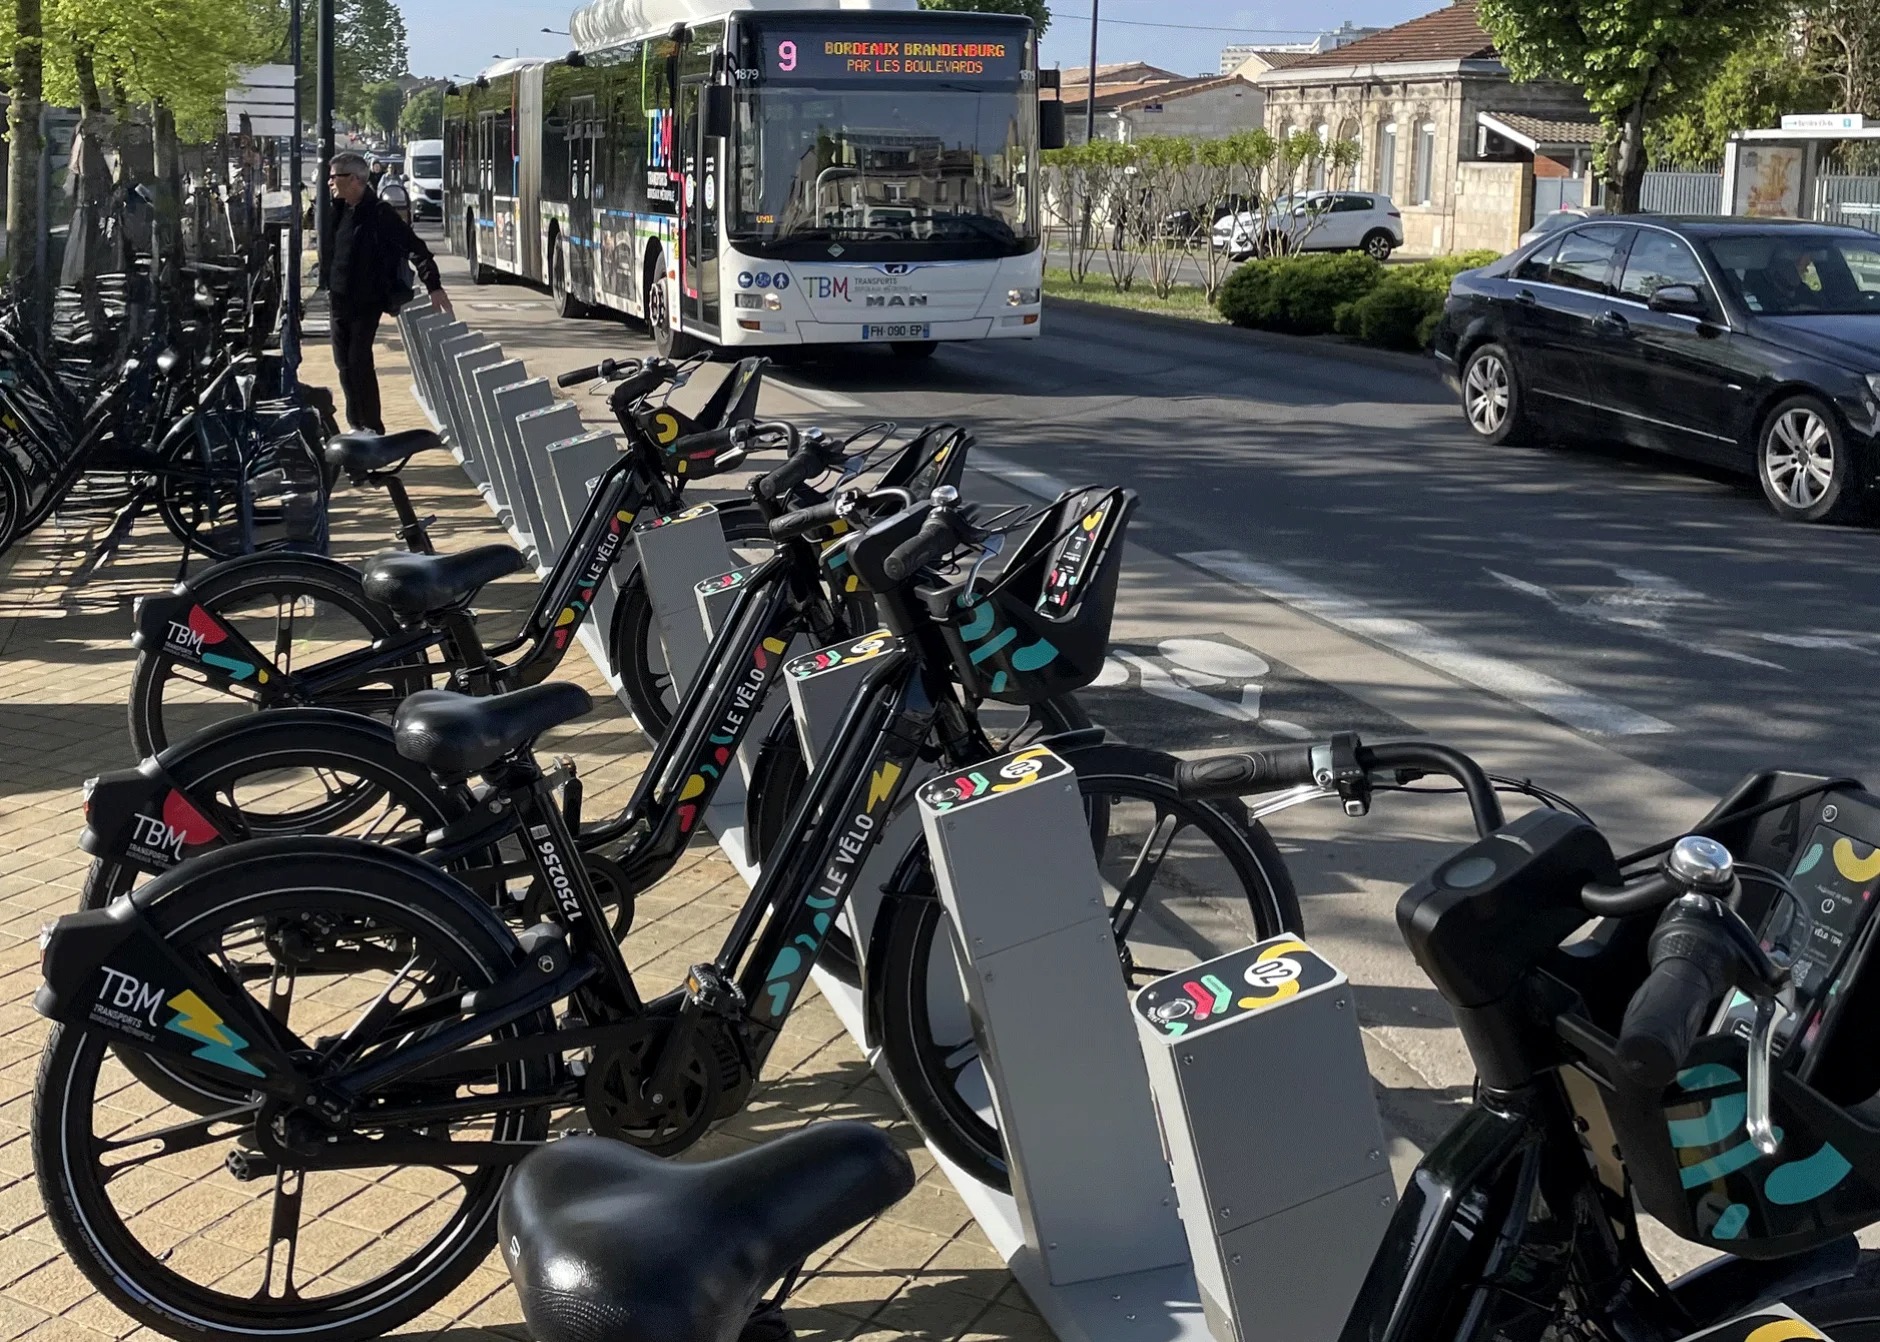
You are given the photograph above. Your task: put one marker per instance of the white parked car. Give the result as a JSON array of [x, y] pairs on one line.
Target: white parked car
[[1323, 221]]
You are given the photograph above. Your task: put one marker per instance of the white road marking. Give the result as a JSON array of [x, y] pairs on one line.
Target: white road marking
[[1861, 643], [828, 400], [1034, 482], [1531, 689], [1648, 592]]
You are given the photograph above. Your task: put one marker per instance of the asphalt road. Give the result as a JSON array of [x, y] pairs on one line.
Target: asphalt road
[[1682, 623], [1321, 545]]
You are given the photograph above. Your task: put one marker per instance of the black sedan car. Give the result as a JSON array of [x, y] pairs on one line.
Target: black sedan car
[[1750, 343]]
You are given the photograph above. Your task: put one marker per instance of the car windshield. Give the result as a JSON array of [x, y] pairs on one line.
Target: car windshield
[[427, 165], [1795, 274], [885, 165]]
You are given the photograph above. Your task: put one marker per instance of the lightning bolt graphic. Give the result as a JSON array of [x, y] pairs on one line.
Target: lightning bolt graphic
[[882, 784], [195, 1020]]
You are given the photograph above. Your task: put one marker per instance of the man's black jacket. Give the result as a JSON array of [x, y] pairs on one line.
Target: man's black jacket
[[362, 260]]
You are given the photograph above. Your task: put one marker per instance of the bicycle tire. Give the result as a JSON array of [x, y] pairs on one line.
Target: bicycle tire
[[1847, 1310], [221, 588], [777, 784], [13, 502], [633, 642], [910, 939], [470, 948]]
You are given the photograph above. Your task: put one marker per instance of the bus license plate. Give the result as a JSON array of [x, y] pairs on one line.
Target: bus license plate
[[902, 331]]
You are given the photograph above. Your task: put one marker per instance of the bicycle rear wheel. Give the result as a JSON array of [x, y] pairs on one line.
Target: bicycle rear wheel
[[182, 1220], [1184, 881], [296, 610]]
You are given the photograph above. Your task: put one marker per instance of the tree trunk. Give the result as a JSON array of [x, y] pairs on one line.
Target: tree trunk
[[24, 146], [85, 247], [168, 188]]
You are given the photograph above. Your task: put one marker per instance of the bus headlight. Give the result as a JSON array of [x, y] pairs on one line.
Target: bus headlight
[[1019, 298], [773, 303]]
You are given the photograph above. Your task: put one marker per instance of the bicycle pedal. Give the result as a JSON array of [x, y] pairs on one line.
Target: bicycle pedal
[[711, 991]]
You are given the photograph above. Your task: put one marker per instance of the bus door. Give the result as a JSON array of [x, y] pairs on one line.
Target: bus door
[[583, 235], [703, 156]]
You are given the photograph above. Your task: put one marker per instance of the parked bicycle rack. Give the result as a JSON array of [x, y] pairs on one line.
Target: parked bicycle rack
[[1283, 1203], [532, 431]]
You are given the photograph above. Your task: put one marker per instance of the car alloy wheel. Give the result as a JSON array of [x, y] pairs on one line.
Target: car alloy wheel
[[1485, 394], [1378, 247], [1798, 458]]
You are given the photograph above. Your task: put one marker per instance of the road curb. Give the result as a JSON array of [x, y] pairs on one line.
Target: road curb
[[1324, 347]]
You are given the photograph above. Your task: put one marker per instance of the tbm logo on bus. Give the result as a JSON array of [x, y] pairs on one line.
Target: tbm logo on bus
[[659, 137]]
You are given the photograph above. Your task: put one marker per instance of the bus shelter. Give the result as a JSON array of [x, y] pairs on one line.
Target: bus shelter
[[1818, 166]]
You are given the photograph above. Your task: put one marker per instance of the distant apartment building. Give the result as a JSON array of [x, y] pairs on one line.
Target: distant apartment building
[[1233, 57]]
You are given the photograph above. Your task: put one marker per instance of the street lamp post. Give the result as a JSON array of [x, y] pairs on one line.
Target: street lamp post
[[1090, 103], [323, 113]]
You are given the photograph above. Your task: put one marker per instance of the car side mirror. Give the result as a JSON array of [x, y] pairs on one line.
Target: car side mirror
[[1682, 299]]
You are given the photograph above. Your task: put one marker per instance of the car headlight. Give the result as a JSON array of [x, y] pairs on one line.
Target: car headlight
[[1019, 298]]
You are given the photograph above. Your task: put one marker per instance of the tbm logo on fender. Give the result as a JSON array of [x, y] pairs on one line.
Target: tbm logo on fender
[[158, 837], [183, 639]]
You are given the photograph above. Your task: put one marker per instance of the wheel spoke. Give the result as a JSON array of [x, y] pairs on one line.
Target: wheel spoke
[[173, 1140]]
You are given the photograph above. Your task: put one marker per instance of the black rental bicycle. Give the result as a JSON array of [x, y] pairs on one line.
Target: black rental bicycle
[[1681, 1031], [277, 630], [356, 1020]]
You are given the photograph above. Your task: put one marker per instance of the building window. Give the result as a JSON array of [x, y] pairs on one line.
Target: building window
[[1423, 190], [1387, 157]]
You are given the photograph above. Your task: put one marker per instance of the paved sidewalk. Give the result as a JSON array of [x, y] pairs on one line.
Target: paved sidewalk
[[922, 1270]]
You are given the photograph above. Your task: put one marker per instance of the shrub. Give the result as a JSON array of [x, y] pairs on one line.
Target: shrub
[[1297, 294], [1391, 313]]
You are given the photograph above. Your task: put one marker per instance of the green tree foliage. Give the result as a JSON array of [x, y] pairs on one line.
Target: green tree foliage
[[1755, 86], [385, 100], [423, 117], [1633, 59], [1036, 10]]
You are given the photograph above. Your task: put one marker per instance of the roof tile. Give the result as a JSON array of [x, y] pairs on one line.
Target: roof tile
[[1449, 34]]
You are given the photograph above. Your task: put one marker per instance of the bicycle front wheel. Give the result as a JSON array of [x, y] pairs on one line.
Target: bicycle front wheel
[[1184, 881]]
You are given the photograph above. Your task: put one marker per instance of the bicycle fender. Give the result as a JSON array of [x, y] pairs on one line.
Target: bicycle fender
[[141, 817], [177, 626], [1729, 1286], [108, 970]]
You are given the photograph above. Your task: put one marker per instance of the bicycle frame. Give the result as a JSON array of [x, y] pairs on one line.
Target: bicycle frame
[[183, 630]]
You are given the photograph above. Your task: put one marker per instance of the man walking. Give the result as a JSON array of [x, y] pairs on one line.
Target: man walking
[[367, 244]]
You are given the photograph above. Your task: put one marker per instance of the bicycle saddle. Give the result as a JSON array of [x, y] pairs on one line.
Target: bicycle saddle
[[414, 584], [606, 1243], [457, 734], [361, 453]]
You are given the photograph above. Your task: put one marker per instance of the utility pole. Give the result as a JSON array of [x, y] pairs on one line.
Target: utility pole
[[323, 112], [1090, 103], [297, 190]]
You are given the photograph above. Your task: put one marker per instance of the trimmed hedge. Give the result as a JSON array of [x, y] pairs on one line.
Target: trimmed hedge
[[1300, 295], [1396, 307]]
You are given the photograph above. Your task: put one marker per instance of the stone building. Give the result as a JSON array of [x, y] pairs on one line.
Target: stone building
[[1137, 100], [1413, 97]]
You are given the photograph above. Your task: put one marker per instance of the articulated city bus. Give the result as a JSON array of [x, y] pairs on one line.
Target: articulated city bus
[[766, 175]]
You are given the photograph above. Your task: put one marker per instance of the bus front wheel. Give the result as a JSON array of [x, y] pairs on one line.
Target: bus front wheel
[[669, 344], [479, 273]]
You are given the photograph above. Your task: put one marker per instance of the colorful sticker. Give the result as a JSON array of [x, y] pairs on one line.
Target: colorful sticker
[[1235, 986]]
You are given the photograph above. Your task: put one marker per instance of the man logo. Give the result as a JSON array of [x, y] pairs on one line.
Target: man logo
[[897, 268]]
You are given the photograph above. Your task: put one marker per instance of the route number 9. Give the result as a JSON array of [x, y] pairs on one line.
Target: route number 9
[[786, 56]]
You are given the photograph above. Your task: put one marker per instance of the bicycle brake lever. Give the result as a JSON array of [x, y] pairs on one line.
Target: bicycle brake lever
[[1770, 1013], [992, 547]]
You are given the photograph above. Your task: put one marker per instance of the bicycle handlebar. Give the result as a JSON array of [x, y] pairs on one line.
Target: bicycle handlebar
[[1247, 773], [934, 541], [605, 368], [1692, 968], [793, 526]]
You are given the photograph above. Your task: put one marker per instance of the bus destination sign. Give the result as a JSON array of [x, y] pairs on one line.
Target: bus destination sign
[[818, 55]]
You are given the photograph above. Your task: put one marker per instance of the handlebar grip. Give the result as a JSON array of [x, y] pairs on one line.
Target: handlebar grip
[[934, 539], [804, 520], [712, 440], [1246, 773], [636, 385], [1689, 975], [794, 471], [588, 374]]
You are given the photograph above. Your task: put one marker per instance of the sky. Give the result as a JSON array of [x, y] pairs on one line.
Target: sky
[[460, 37]]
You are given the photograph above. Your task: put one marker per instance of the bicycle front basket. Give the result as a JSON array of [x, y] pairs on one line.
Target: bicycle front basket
[[1041, 627]]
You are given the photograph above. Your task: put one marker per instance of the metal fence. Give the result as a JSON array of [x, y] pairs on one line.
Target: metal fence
[[1854, 201], [1682, 193]]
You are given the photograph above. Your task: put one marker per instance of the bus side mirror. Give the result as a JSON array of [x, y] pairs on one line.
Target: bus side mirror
[[715, 110], [1050, 124]]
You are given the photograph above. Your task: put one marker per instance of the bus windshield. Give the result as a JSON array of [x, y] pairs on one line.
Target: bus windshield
[[909, 164]]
